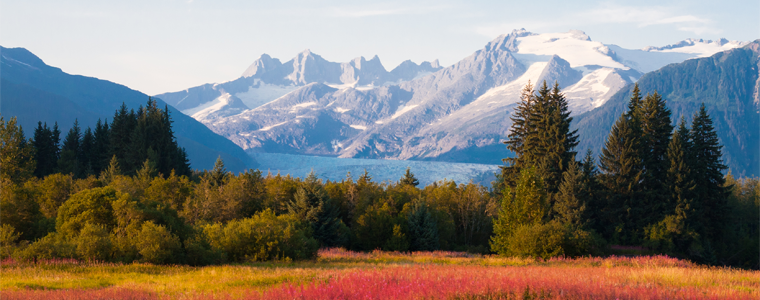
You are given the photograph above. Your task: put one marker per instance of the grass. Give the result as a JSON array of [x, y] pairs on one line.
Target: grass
[[340, 274]]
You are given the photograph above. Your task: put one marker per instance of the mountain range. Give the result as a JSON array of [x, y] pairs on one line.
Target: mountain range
[[32, 91], [459, 113]]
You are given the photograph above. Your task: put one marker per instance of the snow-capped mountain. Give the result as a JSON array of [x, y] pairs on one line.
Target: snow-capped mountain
[[268, 79], [458, 113]]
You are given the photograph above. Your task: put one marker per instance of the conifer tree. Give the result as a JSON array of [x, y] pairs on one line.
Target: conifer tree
[[708, 174], [409, 178], [308, 202], [120, 135], [521, 128], [621, 177], [656, 129], [70, 152], [113, 170], [87, 153], [219, 173], [570, 206], [102, 149], [46, 152], [423, 230]]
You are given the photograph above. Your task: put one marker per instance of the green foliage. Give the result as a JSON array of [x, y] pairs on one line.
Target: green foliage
[[423, 230], [527, 206], [16, 153], [92, 206], [19, 209], [409, 178], [398, 240], [157, 245], [8, 238], [51, 246], [93, 243], [622, 171], [263, 237]]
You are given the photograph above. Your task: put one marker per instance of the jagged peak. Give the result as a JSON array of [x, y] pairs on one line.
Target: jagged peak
[[262, 64], [507, 41]]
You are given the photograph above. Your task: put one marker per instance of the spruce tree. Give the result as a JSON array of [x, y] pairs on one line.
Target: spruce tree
[[87, 153], [423, 230], [102, 148], [656, 129], [71, 152], [708, 174], [46, 152], [409, 178], [570, 206], [521, 128], [621, 177], [120, 135], [219, 173]]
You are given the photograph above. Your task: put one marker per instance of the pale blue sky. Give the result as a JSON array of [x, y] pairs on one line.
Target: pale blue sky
[[159, 46]]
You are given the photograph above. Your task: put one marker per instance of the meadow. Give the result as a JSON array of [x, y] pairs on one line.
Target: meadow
[[341, 274]]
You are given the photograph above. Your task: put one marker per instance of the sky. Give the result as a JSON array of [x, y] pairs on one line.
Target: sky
[[159, 46]]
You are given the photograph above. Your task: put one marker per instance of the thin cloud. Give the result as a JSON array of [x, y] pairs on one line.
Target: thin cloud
[[361, 12], [610, 14]]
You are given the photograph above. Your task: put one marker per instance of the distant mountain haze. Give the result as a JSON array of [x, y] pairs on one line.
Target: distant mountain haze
[[459, 113], [33, 91]]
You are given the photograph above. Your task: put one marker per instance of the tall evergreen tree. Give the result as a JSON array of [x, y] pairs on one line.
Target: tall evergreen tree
[[541, 136], [120, 136], [46, 152], [102, 148], [570, 204], [409, 178], [70, 151], [521, 128], [656, 129], [423, 230], [87, 153], [621, 177], [708, 174]]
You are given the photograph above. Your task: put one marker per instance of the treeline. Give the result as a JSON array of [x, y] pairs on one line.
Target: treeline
[[215, 216], [132, 137], [544, 203]]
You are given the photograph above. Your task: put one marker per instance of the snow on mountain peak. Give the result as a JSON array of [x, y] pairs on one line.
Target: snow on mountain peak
[[700, 47], [573, 46]]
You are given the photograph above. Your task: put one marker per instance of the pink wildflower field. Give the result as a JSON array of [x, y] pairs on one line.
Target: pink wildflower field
[[340, 274]]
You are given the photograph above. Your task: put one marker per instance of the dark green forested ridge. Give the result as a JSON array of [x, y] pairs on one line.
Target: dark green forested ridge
[[653, 187], [725, 83]]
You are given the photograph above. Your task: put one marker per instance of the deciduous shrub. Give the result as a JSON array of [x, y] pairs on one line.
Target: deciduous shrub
[[263, 237]]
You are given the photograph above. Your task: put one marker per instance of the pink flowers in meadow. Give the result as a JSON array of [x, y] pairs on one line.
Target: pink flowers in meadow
[[452, 275]]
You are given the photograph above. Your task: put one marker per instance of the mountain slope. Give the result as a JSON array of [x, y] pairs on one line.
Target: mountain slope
[[268, 79], [34, 91], [727, 82], [460, 113]]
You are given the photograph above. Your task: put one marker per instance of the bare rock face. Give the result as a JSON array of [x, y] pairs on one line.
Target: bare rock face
[[459, 113]]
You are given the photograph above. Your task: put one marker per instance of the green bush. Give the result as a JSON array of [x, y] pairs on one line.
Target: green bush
[[550, 240], [157, 245], [8, 238], [51, 246], [88, 206], [93, 243], [263, 237]]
